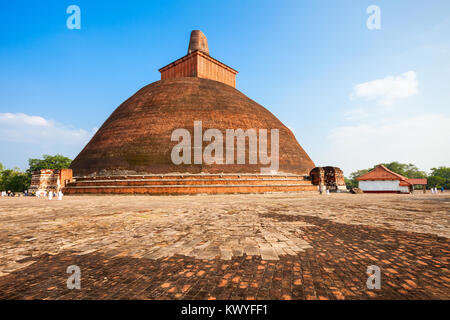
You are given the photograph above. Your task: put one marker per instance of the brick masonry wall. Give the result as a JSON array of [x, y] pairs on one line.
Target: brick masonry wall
[[184, 67], [199, 64], [173, 190], [209, 68]]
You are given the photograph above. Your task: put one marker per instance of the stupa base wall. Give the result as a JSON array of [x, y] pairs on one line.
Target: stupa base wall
[[188, 184]]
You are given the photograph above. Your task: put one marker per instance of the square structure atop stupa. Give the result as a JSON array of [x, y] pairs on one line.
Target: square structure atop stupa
[[198, 63]]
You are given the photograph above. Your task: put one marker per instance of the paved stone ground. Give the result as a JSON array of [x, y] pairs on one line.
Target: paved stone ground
[[272, 246]]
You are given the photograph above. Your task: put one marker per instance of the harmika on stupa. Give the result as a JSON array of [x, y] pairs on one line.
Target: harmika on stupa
[[139, 149]]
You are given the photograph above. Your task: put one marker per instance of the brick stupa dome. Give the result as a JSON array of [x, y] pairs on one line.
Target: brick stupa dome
[[135, 141]]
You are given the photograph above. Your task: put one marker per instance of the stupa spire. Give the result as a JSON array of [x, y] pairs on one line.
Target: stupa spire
[[198, 41]]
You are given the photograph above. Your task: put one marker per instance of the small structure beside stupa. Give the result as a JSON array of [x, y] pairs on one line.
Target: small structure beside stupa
[[330, 178], [47, 180]]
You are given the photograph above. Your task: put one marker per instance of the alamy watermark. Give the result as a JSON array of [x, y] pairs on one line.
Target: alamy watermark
[[374, 280], [74, 280], [74, 20], [214, 151], [374, 20]]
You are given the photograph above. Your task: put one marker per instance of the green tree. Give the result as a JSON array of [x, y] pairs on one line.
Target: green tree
[[48, 162], [439, 177], [406, 170], [14, 180], [1, 180], [352, 182]]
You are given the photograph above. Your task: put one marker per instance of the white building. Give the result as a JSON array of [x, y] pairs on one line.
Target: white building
[[383, 180]]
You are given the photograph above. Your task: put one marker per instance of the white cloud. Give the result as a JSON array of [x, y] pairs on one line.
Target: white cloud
[[388, 90], [24, 136], [422, 140], [356, 114], [19, 127], [21, 118]]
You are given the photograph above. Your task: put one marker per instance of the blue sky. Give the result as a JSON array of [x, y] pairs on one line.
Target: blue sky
[[352, 96]]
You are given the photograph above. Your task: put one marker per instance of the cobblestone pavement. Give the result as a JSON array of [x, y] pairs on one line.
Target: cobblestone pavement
[[272, 246]]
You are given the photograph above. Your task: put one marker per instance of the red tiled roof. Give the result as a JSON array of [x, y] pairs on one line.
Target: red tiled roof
[[404, 183], [381, 173], [417, 181]]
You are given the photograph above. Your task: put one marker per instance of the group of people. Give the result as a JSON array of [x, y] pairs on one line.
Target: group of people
[[435, 190], [10, 193], [321, 189], [50, 194], [38, 194]]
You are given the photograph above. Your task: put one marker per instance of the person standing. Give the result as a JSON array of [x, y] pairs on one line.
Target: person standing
[[60, 195], [50, 195], [442, 189]]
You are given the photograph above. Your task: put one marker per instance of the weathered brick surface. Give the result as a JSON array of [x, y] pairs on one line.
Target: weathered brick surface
[[137, 135], [279, 246], [185, 190], [414, 266], [198, 41], [189, 184]]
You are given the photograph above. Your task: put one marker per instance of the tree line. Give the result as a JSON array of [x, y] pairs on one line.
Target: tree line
[[19, 181], [438, 177]]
